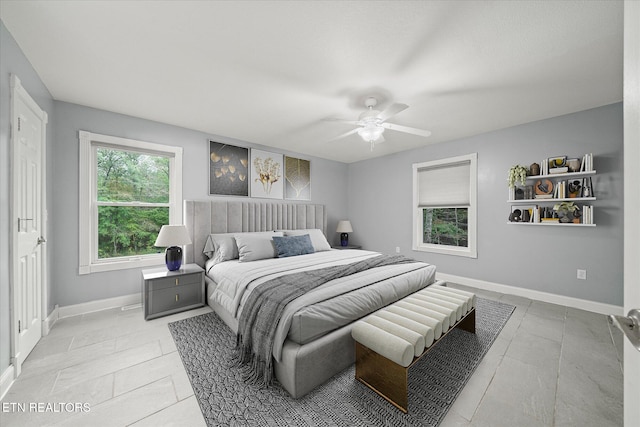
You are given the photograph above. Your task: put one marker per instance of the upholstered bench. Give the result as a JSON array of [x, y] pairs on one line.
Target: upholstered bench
[[392, 339]]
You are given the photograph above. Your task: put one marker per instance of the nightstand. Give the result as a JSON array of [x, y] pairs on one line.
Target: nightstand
[[347, 247], [166, 292]]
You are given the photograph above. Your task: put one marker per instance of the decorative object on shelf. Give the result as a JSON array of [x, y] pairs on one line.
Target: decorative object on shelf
[[543, 189], [587, 187], [573, 165], [574, 188], [344, 228], [517, 173], [173, 237], [557, 162], [522, 214], [228, 169], [558, 165], [534, 169], [567, 211]]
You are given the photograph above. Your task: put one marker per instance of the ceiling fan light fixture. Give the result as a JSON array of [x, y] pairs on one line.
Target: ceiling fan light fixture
[[371, 132]]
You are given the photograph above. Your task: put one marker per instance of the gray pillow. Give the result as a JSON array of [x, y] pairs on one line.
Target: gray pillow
[[255, 246], [318, 240], [293, 245]]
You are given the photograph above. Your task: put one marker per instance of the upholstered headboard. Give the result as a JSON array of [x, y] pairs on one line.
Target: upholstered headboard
[[203, 217]]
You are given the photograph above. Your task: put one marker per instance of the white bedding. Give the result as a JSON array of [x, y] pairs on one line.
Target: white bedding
[[330, 306]]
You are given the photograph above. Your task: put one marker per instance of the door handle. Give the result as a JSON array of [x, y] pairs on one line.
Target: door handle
[[629, 325], [41, 240]]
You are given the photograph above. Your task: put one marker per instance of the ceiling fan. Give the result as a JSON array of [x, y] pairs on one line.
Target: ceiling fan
[[372, 123]]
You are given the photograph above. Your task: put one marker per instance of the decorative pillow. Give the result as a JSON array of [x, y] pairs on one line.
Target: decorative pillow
[[293, 245], [255, 246], [221, 247], [318, 240]]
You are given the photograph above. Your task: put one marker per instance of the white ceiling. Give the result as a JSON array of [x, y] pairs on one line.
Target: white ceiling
[[272, 72]]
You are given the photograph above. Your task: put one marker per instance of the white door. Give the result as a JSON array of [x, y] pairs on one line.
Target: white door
[[28, 126], [631, 202]]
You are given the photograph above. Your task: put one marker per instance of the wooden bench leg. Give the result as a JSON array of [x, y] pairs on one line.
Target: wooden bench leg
[[383, 376], [468, 323]]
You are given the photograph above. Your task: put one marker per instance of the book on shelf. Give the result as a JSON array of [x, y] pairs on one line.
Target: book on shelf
[[587, 214], [560, 191], [543, 196], [587, 163], [552, 220]]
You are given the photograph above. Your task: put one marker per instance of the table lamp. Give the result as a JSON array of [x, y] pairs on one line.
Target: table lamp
[[173, 237], [344, 227]]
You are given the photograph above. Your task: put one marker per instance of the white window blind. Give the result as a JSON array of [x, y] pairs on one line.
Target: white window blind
[[444, 185]]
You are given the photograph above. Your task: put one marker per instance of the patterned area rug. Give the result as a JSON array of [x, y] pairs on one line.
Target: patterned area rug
[[206, 346]]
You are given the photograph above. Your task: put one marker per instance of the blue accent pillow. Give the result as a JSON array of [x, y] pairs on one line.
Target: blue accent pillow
[[293, 245]]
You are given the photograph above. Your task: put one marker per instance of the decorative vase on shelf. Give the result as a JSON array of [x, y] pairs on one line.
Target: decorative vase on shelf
[[574, 165], [534, 169]]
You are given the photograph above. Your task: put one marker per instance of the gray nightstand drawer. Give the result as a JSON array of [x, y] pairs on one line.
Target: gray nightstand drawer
[[167, 292], [172, 282], [178, 297]]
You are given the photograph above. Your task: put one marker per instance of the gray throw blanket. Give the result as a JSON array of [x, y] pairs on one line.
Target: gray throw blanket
[[264, 306]]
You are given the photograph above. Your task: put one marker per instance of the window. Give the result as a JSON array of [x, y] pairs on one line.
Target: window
[[128, 190], [444, 200]]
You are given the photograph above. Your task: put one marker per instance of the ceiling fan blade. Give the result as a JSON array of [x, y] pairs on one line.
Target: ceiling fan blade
[[349, 122], [392, 111], [344, 135], [406, 129]]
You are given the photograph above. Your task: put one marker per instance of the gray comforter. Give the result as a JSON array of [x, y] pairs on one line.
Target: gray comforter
[[326, 308], [264, 308]]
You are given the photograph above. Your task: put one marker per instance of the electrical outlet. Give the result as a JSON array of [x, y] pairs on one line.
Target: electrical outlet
[[582, 274], [397, 249]]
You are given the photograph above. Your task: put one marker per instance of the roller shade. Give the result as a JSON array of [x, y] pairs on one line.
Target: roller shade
[[444, 186]]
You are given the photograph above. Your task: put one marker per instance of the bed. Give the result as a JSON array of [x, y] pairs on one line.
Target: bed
[[313, 338]]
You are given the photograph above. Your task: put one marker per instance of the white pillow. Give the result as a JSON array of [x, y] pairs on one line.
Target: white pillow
[[222, 246], [255, 246], [318, 240]]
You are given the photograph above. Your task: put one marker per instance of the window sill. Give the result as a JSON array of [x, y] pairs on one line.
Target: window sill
[[123, 264], [464, 252]]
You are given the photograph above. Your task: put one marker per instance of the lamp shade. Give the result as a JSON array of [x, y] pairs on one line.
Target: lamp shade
[[344, 227], [172, 235]]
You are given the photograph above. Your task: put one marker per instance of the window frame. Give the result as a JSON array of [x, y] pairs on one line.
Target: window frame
[[88, 199], [472, 214]]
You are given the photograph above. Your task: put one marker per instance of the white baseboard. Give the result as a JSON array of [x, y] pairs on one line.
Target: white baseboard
[[6, 380], [582, 304], [98, 305], [51, 320]]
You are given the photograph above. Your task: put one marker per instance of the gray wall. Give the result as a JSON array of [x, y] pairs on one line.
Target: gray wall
[[13, 61], [328, 186], [537, 258]]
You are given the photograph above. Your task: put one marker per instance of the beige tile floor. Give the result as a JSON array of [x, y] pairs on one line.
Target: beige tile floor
[[550, 366]]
